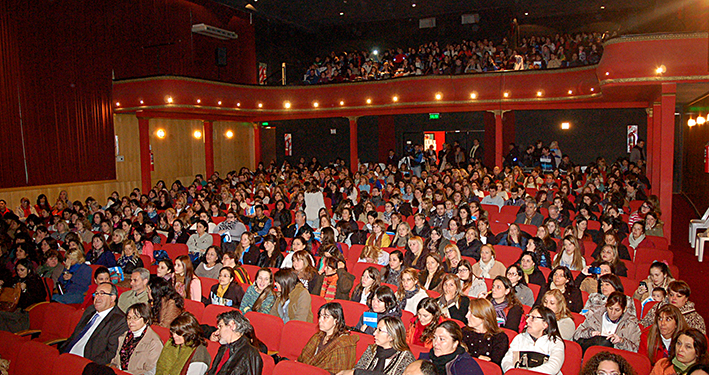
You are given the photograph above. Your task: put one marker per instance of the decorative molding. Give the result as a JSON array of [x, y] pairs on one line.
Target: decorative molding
[[653, 37]]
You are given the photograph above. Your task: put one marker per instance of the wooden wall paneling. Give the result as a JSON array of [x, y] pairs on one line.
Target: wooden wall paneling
[[179, 155], [235, 153]]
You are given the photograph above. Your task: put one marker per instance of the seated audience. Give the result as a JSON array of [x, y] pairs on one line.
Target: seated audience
[[166, 303], [561, 278], [448, 354], [430, 277], [138, 292], [31, 290], [75, 280], [187, 284], [507, 306], [678, 295], [656, 342], [660, 276], [517, 277], [392, 272], [453, 302], [471, 285], [334, 282], [607, 363], [369, 282], [227, 292]]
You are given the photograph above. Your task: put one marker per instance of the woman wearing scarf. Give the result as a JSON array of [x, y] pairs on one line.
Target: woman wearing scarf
[[449, 354], [140, 347], [424, 323], [389, 355], [410, 292], [333, 347], [636, 239], [186, 351], [562, 279], [453, 303], [333, 283], [488, 267], [688, 348], [508, 309]]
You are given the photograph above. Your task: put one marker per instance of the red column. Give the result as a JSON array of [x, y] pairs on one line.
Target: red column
[[209, 148], [656, 147], [667, 154], [499, 144], [145, 162], [354, 155], [257, 145], [648, 145]]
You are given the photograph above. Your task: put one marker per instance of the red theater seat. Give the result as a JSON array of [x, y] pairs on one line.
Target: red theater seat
[[268, 328], [33, 358], [295, 335], [293, 368], [69, 364]]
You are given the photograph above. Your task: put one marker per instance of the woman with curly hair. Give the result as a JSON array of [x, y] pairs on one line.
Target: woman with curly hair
[[607, 363]]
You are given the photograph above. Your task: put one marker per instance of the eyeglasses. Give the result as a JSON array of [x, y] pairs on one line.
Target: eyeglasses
[[128, 317], [532, 317], [607, 373], [102, 294]]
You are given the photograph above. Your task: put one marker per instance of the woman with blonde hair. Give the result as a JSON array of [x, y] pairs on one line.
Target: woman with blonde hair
[[570, 257], [482, 335], [416, 255], [554, 301], [488, 267], [453, 258], [130, 259], [374, 254], [403, 233]]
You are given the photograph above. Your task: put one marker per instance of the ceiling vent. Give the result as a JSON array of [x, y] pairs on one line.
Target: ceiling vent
[[213, 32]]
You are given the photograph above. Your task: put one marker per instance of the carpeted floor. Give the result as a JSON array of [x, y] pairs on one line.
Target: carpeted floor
[[694, 273]]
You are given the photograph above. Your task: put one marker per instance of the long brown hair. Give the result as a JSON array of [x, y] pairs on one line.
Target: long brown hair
[[654, 339], [189, 273], [309, 271], [268, 291], [483, 309], [431, 305], [187, 326]]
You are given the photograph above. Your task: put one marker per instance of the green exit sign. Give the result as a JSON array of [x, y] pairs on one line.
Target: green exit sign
[[264, 124], [434, 116]]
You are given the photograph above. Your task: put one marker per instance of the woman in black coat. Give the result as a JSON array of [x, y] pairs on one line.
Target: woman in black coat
[[226, 292], [563, 280], [32, 291]]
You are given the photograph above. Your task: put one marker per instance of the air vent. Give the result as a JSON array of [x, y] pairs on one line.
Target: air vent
[[213, 32]]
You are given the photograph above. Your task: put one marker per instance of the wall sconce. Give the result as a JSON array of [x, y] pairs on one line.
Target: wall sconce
[[160, 133], [229, 134], [197, 134], [565, 125]]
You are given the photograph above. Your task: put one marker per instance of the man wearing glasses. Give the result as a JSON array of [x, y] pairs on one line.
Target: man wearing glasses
[[96, 336]]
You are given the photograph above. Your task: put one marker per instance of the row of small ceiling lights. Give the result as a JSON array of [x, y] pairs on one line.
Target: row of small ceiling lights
[[395, 98], [438, 96]]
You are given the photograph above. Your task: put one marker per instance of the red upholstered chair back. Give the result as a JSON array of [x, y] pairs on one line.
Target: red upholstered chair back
[[292, 368], [295, 335], [268, 328]]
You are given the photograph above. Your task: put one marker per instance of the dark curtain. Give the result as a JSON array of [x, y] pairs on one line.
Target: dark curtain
[[56, 72]]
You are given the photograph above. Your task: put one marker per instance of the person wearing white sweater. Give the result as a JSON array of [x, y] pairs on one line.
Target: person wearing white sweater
[[314, 201], [540, 348]]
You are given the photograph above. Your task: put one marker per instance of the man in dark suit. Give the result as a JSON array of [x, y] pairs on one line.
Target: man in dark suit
[[476, 152], [96, 335], [530, 215]]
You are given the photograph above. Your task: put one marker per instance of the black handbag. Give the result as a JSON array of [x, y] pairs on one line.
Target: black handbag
[[531, 360]]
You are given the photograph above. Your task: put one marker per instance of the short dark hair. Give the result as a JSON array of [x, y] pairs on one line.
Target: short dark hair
[[142, 310], [428, 368], [619, 298], [681, 287], [100, 270], [187, 326]]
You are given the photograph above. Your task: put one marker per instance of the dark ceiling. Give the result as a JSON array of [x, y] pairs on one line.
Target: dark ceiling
[[312, 14]]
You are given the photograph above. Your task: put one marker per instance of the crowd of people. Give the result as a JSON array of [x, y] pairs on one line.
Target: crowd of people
[[426, 235], [466, 57]]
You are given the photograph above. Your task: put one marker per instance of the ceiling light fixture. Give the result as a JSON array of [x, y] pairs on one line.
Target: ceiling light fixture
[[160, 133]]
